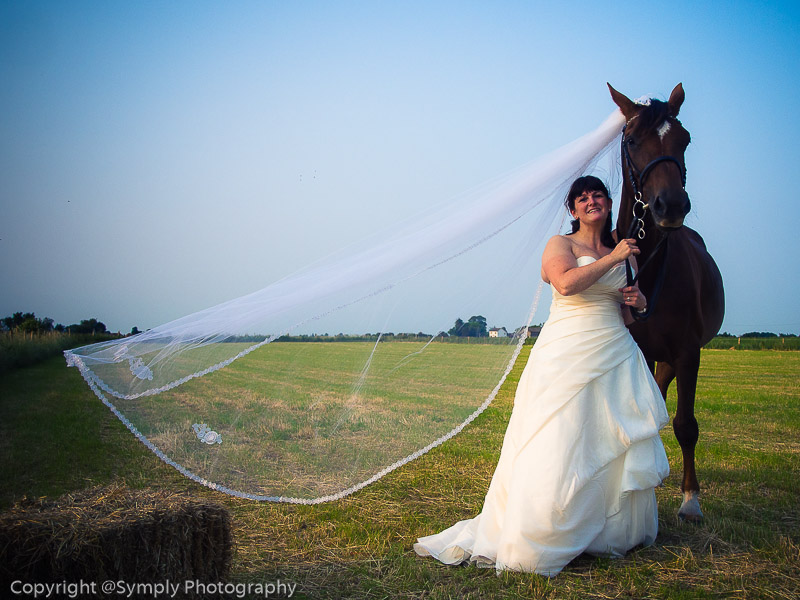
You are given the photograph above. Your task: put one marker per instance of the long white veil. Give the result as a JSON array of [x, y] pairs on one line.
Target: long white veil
[[344, 371]]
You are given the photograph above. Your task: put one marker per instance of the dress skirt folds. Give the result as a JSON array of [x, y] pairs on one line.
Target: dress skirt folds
[[582, 453]]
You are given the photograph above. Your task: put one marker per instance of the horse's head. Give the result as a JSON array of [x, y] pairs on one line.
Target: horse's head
[[653, 145]]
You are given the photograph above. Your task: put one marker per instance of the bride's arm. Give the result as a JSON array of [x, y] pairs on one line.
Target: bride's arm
[[560, 267]]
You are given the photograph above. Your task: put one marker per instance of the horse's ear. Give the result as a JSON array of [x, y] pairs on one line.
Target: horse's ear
[[676, 100], [628, 108]]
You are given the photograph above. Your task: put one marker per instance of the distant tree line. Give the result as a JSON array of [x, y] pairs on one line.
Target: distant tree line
[[28, 322], [474, 327], [756, 334], [339, 337]]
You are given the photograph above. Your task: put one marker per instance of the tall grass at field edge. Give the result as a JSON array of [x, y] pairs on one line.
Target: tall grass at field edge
[[24, 349], [753, 343]]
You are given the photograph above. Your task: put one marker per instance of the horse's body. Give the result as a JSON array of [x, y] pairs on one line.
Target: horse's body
[[691, 303]]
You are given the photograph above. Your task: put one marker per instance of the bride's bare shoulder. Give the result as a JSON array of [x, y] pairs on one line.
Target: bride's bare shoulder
[[560, 241], [558, 256], [558, 244]]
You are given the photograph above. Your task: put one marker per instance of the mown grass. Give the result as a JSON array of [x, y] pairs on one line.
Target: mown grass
[[307, 420], [55, 437]]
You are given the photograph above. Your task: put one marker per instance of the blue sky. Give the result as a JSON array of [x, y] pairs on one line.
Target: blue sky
[[158, 158]]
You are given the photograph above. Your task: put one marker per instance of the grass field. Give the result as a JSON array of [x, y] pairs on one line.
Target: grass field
[[306, 420], [55, 437]]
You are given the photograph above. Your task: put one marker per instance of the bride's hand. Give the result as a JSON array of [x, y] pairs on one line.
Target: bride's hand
[[633, 297], [624, 249]]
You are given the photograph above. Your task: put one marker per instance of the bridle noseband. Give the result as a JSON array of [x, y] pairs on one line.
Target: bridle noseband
[[637, 224]]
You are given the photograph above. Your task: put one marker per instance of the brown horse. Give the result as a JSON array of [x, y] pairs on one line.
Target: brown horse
[[688, 311]]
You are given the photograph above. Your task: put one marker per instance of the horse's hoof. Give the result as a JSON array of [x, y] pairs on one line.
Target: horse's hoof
[[690, 509]]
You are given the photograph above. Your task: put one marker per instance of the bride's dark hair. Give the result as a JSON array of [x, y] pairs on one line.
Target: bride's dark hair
[[589, 183]]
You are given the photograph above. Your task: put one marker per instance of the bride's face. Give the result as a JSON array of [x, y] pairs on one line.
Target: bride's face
[[592, 207]]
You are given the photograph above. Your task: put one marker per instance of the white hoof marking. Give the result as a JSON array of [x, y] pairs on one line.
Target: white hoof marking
[[690, 509]]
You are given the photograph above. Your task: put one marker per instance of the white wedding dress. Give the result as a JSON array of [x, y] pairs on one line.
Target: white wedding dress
[[582, 453]]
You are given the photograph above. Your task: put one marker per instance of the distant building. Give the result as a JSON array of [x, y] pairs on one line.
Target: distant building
[[533, 331], [498, 332]]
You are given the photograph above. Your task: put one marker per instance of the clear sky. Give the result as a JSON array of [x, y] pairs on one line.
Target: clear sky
[[157, 158]]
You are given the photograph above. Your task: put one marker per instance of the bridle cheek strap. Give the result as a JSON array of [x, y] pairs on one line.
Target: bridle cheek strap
[[638, 223]]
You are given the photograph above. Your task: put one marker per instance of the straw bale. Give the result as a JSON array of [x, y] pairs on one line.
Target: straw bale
[[115, 533]]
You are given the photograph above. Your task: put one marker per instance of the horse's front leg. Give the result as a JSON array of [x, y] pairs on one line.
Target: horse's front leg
[[664, 374], [687, 432]]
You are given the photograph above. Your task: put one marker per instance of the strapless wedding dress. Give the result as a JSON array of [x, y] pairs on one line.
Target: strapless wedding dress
[[582, 453]]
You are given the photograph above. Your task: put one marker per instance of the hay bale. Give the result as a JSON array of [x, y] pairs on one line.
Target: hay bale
[[115, 533]]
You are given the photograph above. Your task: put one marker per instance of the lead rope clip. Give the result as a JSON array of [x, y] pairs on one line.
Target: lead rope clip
[[638, 202]]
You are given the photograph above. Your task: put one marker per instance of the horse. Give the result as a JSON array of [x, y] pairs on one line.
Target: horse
[[683, 285]]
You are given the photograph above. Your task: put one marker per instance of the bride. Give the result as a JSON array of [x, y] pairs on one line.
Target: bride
[[582, 453]]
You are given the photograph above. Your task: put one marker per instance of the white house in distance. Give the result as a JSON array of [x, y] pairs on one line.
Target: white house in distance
[[498, 332]]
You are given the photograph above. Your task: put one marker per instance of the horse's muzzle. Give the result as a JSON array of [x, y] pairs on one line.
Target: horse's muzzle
[[668, 211]]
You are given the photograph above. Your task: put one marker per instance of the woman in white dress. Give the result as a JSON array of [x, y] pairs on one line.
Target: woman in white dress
[[582, 454]]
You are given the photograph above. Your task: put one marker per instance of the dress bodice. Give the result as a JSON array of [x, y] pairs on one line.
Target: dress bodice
[[603, 295]]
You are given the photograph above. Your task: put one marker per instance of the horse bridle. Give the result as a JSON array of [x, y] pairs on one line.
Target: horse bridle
[[636, 227]]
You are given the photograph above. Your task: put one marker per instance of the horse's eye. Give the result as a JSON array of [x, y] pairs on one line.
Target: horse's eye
[[630, 142]]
